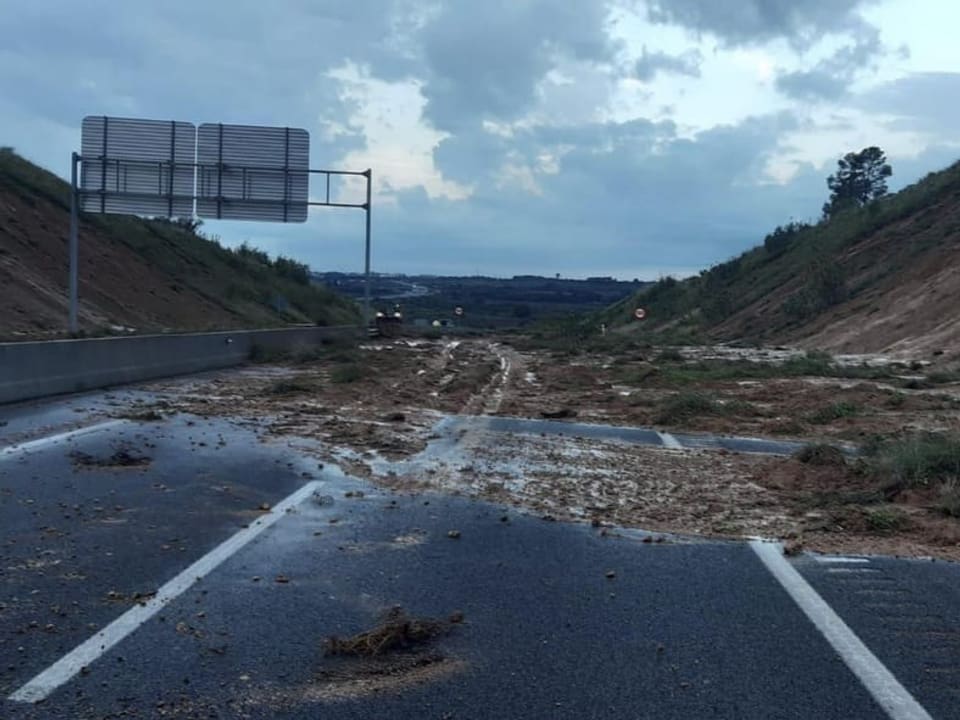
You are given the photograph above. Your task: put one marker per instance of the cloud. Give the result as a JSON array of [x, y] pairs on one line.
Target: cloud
[[651, 63], [831, 77], [634, 193], [248, 62], [488, 125], [744, 22], [485, 60], [918, 102]]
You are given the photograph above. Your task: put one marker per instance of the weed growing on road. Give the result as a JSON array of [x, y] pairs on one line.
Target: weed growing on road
[[686, 405], [896, 399], [348, 373], [918, 460], [836, 411], [294, 386], [670, 354], [141, 415], [821, 454]]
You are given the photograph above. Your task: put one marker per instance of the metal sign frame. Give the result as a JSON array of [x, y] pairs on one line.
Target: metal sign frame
[[249, 172], [137, 167], [140, 202]]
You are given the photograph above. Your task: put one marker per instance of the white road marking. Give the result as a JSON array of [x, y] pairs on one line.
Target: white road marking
[[895, 699], [88, 651], [669, 441], [852, 570], [23, 447], [839, 559]]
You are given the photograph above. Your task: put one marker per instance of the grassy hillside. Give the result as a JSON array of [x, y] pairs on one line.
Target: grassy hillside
[[148, 275], [803, 278]]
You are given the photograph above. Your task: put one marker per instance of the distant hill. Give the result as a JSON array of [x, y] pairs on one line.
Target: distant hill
[[487, 302], [884, 277], [144, 275]]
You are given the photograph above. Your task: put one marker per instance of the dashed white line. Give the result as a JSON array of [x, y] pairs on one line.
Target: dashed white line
[[669, 441], [13, 450], [41, 686], [893, 697]]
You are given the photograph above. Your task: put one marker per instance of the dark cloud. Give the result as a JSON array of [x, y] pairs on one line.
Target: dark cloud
[[743, 22], [557, 192], [830, 78], [652, 63], [632, 193], [919, 101], [485, 59], [250, 62]]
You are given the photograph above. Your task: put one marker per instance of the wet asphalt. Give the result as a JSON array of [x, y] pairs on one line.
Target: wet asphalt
[[561, 620]]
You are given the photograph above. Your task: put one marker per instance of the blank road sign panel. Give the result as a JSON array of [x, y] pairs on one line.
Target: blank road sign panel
[[137, 167], [246, 172]]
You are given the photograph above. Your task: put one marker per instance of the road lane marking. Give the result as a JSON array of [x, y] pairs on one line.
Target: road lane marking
[[41, 686], [895, 699], [839, 559], [669, 441], [29, 445]]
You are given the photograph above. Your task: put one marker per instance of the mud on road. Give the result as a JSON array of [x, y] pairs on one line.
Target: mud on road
[[378, 411]]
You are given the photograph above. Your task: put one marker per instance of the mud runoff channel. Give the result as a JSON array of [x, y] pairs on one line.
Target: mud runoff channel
[[409, 415]]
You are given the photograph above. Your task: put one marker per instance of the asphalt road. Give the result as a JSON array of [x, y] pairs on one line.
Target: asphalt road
[[560, 620]]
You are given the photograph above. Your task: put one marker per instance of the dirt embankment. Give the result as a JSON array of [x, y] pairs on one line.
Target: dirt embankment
[[901, 281], [118, 287], [134, 274]]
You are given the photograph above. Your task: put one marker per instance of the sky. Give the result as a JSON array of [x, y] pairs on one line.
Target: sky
[[632, 138]]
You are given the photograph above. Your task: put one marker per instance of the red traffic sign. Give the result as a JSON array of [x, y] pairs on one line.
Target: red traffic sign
[[639, 313]]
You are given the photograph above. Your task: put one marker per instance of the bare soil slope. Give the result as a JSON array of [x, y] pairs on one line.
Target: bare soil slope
[[136, 274], [882, 278], [912, 310]]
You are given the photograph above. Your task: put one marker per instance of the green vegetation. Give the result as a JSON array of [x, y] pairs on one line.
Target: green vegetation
[[822, 455], [809, 365], [861, 177], [685, 405], [917, 460], [669, 354], [252, 288], [886, 519], [799, 271], [336, 349], [896, 400], [949, 501], [836, 411], [348, 373], [294, 385]]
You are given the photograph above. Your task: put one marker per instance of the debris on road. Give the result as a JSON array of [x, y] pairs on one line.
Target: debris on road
[[560, 414], [453, 534], [398, 631], [122, 458]]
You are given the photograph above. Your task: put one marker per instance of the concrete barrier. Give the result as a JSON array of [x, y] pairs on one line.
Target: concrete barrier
[[37, 369]]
